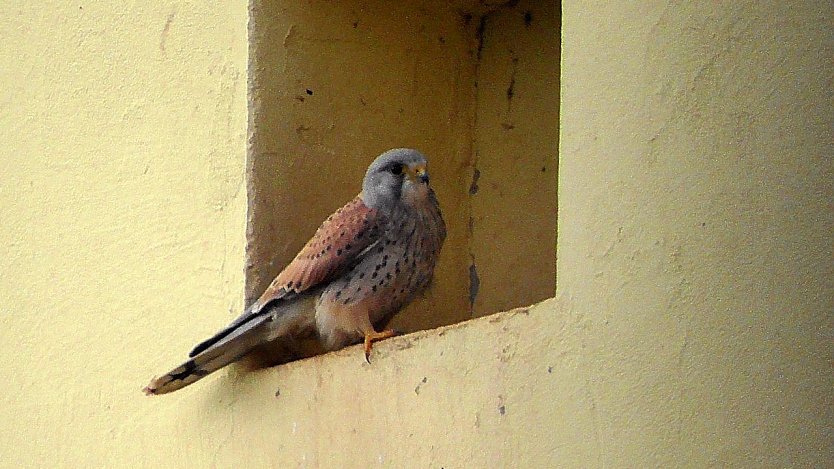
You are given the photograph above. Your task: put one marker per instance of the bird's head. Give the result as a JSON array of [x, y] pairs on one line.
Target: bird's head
[[398, 176]]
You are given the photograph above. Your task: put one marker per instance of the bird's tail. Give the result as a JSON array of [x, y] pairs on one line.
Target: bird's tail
[[232, 343], [229, 349]]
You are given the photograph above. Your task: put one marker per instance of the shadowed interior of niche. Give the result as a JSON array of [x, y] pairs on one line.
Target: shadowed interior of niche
[[474, 87]]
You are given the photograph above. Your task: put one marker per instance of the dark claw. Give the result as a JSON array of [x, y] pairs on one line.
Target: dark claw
[[368, 358]]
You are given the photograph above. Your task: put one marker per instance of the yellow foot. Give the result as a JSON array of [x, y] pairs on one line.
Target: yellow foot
[[371, 337]]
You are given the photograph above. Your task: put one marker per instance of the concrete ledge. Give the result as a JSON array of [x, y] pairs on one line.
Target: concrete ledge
[[485, 393]]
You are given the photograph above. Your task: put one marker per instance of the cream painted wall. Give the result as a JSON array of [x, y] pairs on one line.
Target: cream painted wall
[[695, 236], [516, 135], [696, 228], [122, 202]]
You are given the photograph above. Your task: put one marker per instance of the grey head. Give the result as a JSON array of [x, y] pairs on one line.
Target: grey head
[[396, 177]]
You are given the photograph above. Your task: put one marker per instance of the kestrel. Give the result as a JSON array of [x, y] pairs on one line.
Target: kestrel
[[364, 263]]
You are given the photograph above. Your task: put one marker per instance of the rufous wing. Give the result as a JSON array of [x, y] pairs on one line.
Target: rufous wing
[[334, 248]]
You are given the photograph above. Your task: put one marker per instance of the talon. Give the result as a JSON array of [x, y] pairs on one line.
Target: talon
[[373, 336]]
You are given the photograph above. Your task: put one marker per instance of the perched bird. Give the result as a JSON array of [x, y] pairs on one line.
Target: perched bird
[[364, 263]]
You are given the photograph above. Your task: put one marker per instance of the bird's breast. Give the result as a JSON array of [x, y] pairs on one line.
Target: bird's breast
[[396, 269]]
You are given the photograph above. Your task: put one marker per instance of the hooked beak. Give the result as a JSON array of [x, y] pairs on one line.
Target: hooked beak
[[419, 173]]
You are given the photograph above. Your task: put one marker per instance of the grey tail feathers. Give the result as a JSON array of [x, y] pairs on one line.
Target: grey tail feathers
[[227, 346], [247, 317]]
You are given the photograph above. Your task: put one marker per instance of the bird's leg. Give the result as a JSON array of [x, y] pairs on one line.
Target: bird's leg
[[373, 335]]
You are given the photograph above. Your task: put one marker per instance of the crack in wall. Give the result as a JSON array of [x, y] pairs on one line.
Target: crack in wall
[[474, 280]]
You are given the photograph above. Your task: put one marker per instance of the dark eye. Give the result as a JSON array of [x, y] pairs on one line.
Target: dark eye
[[396, 169]]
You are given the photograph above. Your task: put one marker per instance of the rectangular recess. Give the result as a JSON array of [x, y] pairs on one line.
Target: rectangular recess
[[475, 87]]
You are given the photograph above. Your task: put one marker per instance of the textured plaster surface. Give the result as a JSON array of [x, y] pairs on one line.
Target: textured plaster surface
[[696, 228], [694, 322], [513, 189], [122, 203]]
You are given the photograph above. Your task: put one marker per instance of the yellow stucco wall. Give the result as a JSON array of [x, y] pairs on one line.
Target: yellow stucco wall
[[694, 321], [696, 227], [122, 201], [513, 226]]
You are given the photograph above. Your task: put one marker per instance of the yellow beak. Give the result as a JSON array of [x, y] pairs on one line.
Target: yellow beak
[[418, 172]]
